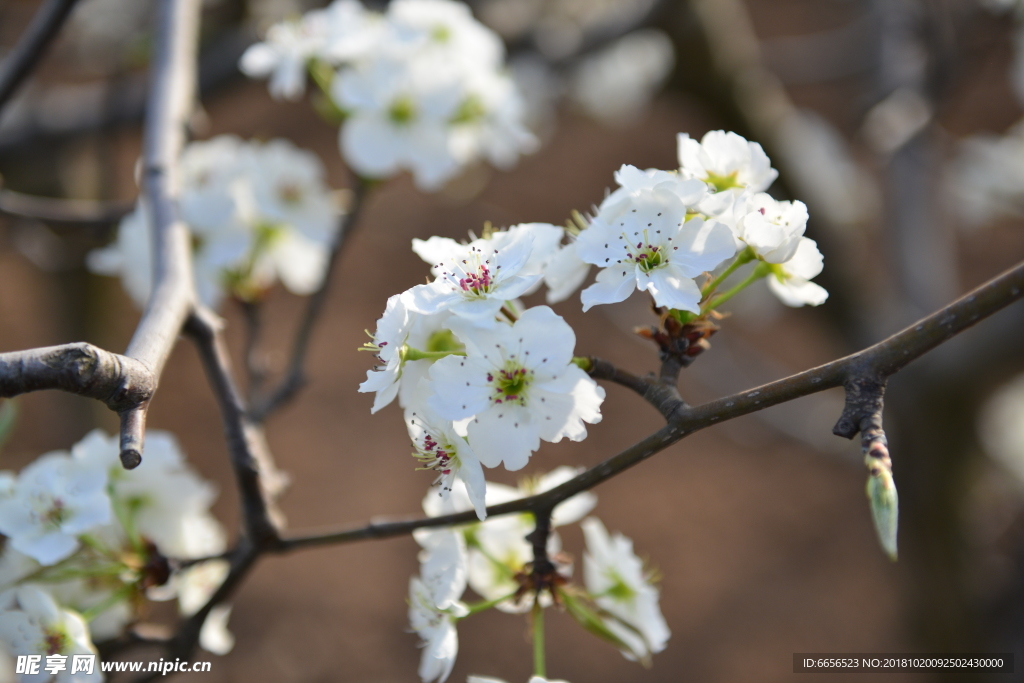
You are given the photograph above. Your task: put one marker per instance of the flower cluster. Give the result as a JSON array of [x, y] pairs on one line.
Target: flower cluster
[[493, 558], [257, 212], [661, 230], [481, 383], [420, 87], [88, 542]]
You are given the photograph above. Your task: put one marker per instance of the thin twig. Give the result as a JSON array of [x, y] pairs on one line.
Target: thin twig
[[294, 376], [32, 46], [244, 442], [52, 210], [661, 394]]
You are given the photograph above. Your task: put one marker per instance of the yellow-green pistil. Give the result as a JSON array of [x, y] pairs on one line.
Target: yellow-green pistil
[[509, 383], [402, 111], [722, 183]]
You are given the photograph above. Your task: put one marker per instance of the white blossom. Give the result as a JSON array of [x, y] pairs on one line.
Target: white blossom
[[31, 623], [351, 31], [436, 629], [284, 54], [442, 565], [641, 239], [56, 498], [790, 281], [725, 161], [515, 386], [445, 31], [392, 330], [440, 448], [474, 280], [565, 273], [615, 578], [773, 229], [194, 587], [168, 503], [399, 118], [258, 213]]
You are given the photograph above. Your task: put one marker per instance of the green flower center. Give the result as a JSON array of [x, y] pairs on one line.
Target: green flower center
[[55, 641], [510, 383], [723, 182], [619, 590], [470, 110], [402, 111]]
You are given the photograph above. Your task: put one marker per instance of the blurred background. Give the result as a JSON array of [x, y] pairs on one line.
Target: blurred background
[[893, 120]]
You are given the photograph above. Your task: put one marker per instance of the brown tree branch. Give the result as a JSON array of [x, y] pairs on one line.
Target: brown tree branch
[[168, 110], [32, 46], [120, 382]]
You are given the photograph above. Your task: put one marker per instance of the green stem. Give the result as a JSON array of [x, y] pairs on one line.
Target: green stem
[[745, 256], [96, 610], [759, 272], [410, 353], [508, 310], [487, 604], [582, 362], [539, 666]]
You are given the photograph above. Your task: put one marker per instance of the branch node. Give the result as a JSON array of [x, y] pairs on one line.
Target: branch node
[[863, 401]]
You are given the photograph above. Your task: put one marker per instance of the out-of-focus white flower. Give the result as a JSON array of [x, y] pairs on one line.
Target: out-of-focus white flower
[[771, 228], [195, 586], [351, 31], [31, 623], [641, 239], [1001, 426], [474, 280], [790, 281], [489, 122], [421, 87], [567, 512], [56, 498], [442, 564], [726, 161], [615, 578], [436, 629], [440, 448], [987, 176], [616, 84], [445, 31], [284, 54], [168, 503], [259, 212], [399, 118], [498, 557], [515, 386], [288, 188]]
